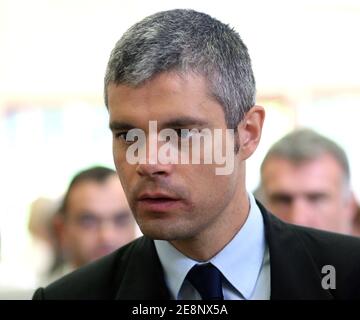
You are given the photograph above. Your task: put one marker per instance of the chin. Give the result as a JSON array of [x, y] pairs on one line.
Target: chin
[[156, 234], [172, 232], [102, 254]]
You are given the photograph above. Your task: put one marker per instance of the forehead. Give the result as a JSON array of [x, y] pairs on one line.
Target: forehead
[[166, 96], [101, 198], [323, 173]]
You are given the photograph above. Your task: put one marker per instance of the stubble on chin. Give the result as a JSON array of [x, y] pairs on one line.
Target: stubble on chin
[[169, 231]]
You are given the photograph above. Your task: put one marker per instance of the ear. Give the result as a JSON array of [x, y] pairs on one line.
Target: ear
[[352, 212], [352, 207], [59, 227], [249, 130]]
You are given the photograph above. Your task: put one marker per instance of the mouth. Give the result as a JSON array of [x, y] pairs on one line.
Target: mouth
[[160, 202]]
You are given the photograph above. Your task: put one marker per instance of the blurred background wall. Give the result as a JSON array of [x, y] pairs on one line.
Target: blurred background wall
[[53, 121]]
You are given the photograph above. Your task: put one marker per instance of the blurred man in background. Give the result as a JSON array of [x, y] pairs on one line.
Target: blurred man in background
[[305, 180], [94, 218]]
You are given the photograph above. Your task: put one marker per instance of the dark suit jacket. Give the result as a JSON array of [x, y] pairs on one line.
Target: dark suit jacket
[[297, 256]]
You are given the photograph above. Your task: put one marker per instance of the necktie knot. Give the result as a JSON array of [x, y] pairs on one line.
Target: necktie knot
[[207, 280]]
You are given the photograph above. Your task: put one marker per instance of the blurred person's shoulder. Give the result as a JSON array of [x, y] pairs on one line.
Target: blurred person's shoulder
[[313, 256], [101, 279]]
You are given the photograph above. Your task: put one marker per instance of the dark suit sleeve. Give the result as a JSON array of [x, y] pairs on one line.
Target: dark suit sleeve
[[39, 294]]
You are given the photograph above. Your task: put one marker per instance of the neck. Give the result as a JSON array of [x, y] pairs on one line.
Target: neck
[[211, 241]]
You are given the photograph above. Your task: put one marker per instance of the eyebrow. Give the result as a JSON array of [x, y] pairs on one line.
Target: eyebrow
[[183, 122], [172, 123], [119, 125], [275, 196]]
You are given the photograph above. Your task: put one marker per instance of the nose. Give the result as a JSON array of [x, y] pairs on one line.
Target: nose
[[152, 170], [153, 166], [107, 233], [301, 213]]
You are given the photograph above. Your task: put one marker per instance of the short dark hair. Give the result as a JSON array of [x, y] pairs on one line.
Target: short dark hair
[[96, 174], [186, 41]]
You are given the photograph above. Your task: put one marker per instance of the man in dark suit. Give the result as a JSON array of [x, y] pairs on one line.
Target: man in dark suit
[[173, 80]]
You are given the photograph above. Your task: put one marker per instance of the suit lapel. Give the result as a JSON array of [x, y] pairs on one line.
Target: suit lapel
[[142, 277], [294, 274]]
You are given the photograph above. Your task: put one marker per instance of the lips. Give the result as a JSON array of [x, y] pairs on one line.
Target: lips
[[159, 201], [156, 195]]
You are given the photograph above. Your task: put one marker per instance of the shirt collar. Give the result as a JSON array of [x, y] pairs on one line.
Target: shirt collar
[[241, 269], [176, 265]]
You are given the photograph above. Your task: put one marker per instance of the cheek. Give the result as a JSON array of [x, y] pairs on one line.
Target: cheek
[[126, 176], [72, 240], [125, 172], [119, 155], [332, 201], [328, 209], [209, 187], [71, 233], [124, 235], [88, 241]]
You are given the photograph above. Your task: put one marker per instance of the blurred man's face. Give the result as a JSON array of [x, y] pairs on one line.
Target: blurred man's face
[[312, 193], [174, 201], [98, 220]]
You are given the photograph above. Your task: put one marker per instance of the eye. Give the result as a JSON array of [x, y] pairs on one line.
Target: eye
[[88, 221], [281, 199], [317, 197], [123, 136], [120, 135], [186, 133], [121, 219]]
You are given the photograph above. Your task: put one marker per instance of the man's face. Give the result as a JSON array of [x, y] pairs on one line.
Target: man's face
[[98, 220], [312, 193], [172, 201]]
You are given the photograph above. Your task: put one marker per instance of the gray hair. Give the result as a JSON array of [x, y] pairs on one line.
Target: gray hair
[[187, 41], [302, 145]]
